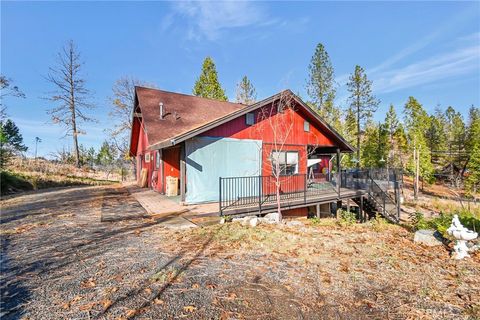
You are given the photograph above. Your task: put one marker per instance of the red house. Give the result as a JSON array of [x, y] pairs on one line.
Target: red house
[[241, 156]]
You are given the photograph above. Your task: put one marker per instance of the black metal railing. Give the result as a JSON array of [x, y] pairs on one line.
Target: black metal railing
[[260, 192], [384, 203]]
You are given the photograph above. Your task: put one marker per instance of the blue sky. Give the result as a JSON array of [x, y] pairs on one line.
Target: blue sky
[[429, 50]]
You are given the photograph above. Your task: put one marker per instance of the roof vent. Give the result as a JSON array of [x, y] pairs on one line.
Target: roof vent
[[162, 111]]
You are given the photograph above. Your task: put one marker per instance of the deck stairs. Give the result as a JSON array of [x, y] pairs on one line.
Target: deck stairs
[[378, 201]]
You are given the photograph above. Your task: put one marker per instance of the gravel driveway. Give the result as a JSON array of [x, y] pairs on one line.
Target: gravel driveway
[[93, 253]]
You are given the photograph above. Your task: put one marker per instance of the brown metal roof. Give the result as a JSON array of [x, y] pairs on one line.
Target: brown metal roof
[[183, 113]]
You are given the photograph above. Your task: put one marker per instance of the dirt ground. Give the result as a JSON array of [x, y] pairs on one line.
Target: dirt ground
[[92, 252]]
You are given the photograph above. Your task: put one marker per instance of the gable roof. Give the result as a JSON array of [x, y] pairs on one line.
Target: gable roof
[[198, 115], [183, 113]]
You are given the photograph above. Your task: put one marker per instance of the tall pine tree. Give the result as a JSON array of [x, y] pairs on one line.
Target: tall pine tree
[[246, 93], [473, 150], [417, 123], [362, 102], [321, 86], [207, 85], [395, 143]]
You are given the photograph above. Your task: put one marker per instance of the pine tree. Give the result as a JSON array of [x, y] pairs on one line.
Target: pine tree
[[456, 139], [321, 86], [246, 93], [362, 101], [473, 150], [391, 126], [207, 85], [348, 132], [417, 123], [11, 142], [436, 137]]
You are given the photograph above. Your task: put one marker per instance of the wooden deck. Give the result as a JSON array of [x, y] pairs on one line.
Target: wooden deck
[[294, 200]]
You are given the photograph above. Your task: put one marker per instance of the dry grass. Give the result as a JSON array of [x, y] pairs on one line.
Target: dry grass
[[395, 275]]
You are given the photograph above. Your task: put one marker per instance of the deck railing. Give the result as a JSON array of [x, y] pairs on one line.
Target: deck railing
[[257, 192]]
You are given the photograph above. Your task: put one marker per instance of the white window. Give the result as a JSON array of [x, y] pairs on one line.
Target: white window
[[306, 126], [287, 161], [250, 118], [157, 159], [147, 157]]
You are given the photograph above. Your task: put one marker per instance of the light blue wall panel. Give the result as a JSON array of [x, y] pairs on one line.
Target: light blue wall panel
[[209, 158]]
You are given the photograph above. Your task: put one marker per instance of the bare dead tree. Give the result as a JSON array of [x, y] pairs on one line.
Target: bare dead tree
[[278, 120], [7, 89], [70, 94], [122, 102]]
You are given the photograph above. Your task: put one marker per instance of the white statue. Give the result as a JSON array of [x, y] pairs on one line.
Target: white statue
[[462, 235]]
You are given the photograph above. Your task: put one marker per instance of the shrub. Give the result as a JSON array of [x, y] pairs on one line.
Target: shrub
[[379, 223], [443, 221], [346, 218]]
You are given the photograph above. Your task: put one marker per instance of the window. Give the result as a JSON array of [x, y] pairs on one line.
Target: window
[[306, 126], [157, 159], [250, 118], [147, 157], [287, 160]]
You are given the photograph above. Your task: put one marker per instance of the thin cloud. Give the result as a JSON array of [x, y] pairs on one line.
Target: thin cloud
[[424, 42], [447, 65], [210, 19]]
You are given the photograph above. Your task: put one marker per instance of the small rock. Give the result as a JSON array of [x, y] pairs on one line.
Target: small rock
[[272, 217], [429, 238], [240, 220], [264, 220], [254, 222], [222, 221], [294, 223]]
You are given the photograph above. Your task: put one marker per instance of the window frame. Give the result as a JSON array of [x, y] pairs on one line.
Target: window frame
[[306, 126], [252, 118], [285, 170], [157, 159]]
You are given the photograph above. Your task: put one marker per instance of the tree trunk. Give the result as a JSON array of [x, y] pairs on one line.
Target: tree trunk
[[73, 111], [277, 191], [358, 134]]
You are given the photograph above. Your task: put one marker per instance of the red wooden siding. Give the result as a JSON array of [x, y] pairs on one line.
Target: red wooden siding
[[171, 158], [261, 130], [142, 145], [299, 212]]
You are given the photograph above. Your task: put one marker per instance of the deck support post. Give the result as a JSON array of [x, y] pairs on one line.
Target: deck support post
[[182, 172], [318, 210], [339, 205], [348, 205], [338, 172], [361, 212]]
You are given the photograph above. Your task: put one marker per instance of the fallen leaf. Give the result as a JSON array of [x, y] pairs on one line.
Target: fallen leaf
[[131, 313], [211, 286], [148, 291], [87, 306], [90, 283], [106, 304], [231, 296], [158, 301], [195, 286], [189, 308]]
